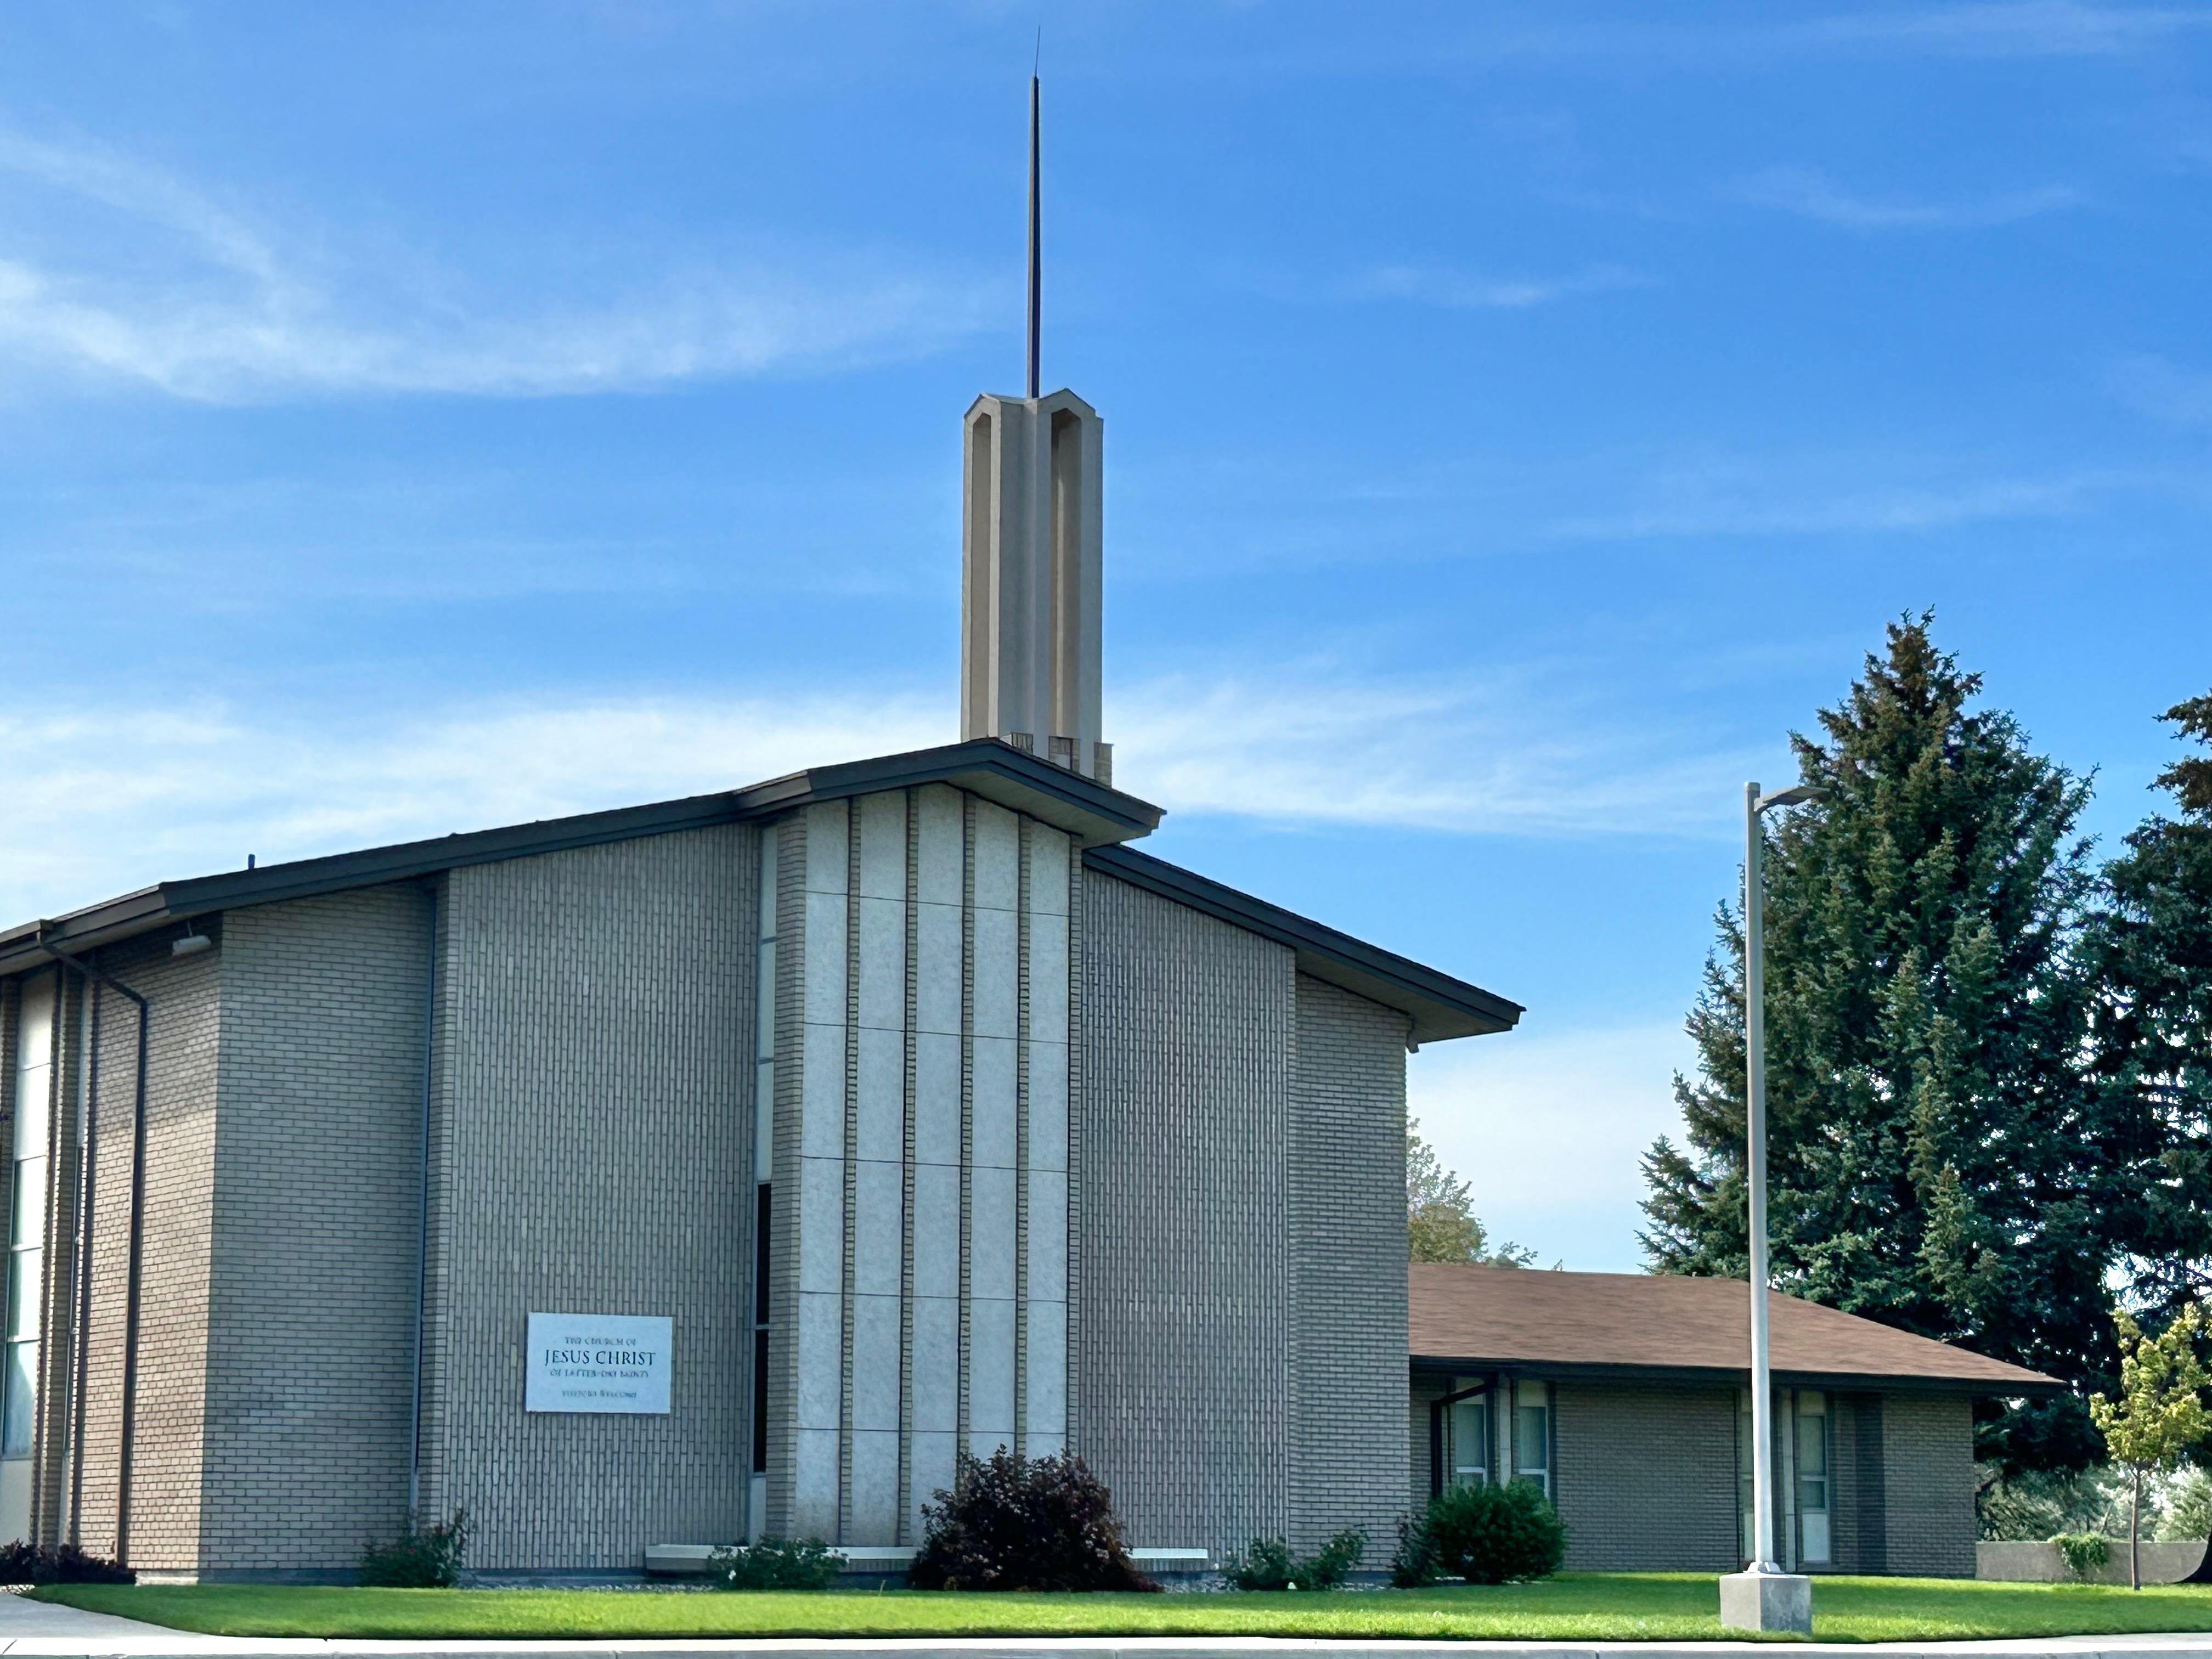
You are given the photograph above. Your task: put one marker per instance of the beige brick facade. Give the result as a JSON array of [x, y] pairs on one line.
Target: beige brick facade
[[1645, 1477]]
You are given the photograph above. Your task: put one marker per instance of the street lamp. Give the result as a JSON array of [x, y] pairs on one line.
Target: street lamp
[[1762, 1596]]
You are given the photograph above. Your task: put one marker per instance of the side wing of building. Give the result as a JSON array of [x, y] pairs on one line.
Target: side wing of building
[[1240, 1226]]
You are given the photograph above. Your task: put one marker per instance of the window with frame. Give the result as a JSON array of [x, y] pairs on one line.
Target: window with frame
[[1532, 1434], [1816, 1489], [32, 1089], [1467, 1441]]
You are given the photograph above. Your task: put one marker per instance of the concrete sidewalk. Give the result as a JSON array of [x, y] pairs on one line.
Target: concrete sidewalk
[[34, 1628]]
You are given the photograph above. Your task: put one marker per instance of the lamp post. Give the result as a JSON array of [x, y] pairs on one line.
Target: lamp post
[[1762, 1596]]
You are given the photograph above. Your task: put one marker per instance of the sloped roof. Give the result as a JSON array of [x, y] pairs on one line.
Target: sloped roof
[[1471, 1318], [1097, 815]]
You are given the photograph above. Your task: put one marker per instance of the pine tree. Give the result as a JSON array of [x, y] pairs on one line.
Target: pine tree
[[1938, 1159], [2151, 945]]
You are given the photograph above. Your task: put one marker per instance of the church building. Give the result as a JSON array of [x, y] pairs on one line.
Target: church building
[[723, 1166], [650, 1179]]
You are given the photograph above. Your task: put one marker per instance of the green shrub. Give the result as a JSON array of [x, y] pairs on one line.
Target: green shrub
[[799, 1564], [1023, 1524], [1413, 1564], [2085, 1552], [58, 1563], [421, 1558], [1268, 1565], [1491, 1535]]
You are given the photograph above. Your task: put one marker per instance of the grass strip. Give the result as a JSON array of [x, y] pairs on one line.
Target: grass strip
[[1590, 1606]]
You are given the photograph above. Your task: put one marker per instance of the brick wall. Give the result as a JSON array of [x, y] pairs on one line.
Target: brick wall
[[1347, 1254], [1646, 1479], [166, 1487], [1183, 1367], [318, 1200], [591, 1122], [1928, 1484]]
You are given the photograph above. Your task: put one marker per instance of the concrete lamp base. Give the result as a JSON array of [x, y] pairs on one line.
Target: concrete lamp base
[[1767, 1602]]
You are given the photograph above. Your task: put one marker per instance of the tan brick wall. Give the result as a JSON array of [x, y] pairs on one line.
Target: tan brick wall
[[592, 1130], [317, 1196], [1183, 1372], [168, 1483], [1347, 1253], [1647, 1476], [1927, 1469]]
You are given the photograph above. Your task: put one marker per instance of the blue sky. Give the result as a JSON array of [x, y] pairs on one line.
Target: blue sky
[[416, 418]]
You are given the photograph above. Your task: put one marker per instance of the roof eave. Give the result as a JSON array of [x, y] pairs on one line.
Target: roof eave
[[1092, 812], [1440, 1006], [2029, 1384]]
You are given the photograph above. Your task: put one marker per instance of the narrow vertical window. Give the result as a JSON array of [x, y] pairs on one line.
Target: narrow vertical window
[[1532, 1435], [1468, 1441], [764, 1166], [1746, 1520], [1813, 1491], [31, 1090]]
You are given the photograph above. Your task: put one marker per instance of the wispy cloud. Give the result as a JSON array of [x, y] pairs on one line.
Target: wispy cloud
[[1547, 1126], [1811, 195], [1725, 498], [107, 798], [2155, 385], [141, 277], [1517, 753], [1458, 290], [2009, 28]]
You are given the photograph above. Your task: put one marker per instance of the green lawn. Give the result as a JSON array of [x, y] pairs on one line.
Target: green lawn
[[1617, 1607]]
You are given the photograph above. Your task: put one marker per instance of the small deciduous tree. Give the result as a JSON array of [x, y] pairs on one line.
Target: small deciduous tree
[[1440, 1219], [2160, 1415]]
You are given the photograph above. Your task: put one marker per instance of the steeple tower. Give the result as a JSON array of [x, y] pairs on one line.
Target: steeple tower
[[1030, 552]]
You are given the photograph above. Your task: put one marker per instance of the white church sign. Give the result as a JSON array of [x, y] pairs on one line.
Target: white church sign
[[597, 1362]]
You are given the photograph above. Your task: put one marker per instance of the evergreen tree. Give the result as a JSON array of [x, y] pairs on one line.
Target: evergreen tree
[[1938, 1160], [1440, 1218], [2151, 945]]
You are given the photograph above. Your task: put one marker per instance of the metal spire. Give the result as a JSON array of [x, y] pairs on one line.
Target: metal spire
[[1036, 256]]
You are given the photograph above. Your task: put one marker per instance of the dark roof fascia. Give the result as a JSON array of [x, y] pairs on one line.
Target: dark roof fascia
[[998, 771], [1440, 1005], [1423, 1364]]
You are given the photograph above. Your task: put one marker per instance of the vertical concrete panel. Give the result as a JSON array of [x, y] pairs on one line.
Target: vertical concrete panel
[[998, 857], [1045, 1421], [883, 845], [814, 1483], [880, 1112], [936, 1363], [991, 1234], [994, 1101], [991, 1375], [937, 944], [1047, 1106], [941, 841], [875, 1372], [874, 1517], [878, 1233], [998, 974], [937, 1231], [936, 1098]]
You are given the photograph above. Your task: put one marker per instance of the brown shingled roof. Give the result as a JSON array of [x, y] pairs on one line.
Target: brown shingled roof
[[1471, 1318]]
